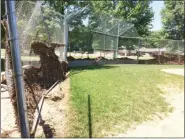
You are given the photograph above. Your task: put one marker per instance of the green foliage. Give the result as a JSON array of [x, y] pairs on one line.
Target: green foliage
[[173, 19], [78, 38], [128, 43], [137, 12]]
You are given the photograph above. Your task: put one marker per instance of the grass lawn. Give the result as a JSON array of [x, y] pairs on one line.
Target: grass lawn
[[121, 95]]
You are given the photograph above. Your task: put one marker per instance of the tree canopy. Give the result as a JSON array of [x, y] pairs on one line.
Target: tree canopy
[[137, 12], [173, 19]]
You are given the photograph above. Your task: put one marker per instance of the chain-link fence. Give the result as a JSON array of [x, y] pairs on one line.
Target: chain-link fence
[[99, 36], [41, 33], [38, 22], [111, 38], [154, 51]]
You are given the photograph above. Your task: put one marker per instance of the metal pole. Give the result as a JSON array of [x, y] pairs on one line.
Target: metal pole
[[46, 26], [138, 51], [179, 56], [66, 29], [116, 50], [104, 39], [17, 67], [159, 57]]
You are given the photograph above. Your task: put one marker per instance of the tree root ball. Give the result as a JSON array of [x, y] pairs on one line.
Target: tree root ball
[[39, 79]]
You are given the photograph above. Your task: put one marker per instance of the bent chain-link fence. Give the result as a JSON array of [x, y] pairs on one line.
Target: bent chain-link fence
[[37, 22], [111, 38]]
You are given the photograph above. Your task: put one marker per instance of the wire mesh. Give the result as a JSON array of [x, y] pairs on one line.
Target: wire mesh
[[111, 33], [106, 33], [37, 22]]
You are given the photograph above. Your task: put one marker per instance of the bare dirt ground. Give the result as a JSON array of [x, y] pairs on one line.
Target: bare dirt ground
[[8, 128], [170, 126], [53, 113], [174, 71]]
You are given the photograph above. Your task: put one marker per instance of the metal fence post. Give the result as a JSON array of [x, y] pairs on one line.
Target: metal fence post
[[46, 26], [159, 55], [104, 42], [65, 38], [17, 67], [116, 50], [138, 51], [179, 56]]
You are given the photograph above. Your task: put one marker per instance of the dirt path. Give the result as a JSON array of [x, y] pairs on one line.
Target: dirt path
[[8, 128], [174, 71], [54, 112], [170, 126]]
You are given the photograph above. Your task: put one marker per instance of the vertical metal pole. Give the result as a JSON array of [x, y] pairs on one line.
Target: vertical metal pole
[[104, 41], [116, 50], [0, 48], [88, 40], [159, 57], [46, 26], [179, 56], [138, 51], [17, 67], [104, 46], [66, 29], [69, 49]]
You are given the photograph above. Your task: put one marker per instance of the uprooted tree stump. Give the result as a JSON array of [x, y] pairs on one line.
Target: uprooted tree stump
[[42, 78], [50, 70], [36, 80]]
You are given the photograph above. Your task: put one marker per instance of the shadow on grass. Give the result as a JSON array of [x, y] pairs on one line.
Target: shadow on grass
[[76, 70]]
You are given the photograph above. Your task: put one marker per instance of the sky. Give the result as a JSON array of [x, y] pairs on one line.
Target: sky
[[157, 7]]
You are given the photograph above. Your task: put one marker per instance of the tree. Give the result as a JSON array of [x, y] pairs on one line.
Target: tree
[[173, 19], [137, 12]]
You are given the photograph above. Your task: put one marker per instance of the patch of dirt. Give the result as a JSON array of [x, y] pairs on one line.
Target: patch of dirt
[[170, 126], [54, 111], [8, 128], [171, 59], [174, 71]]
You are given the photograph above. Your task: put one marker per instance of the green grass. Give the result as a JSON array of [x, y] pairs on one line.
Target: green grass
[[120, 96]]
